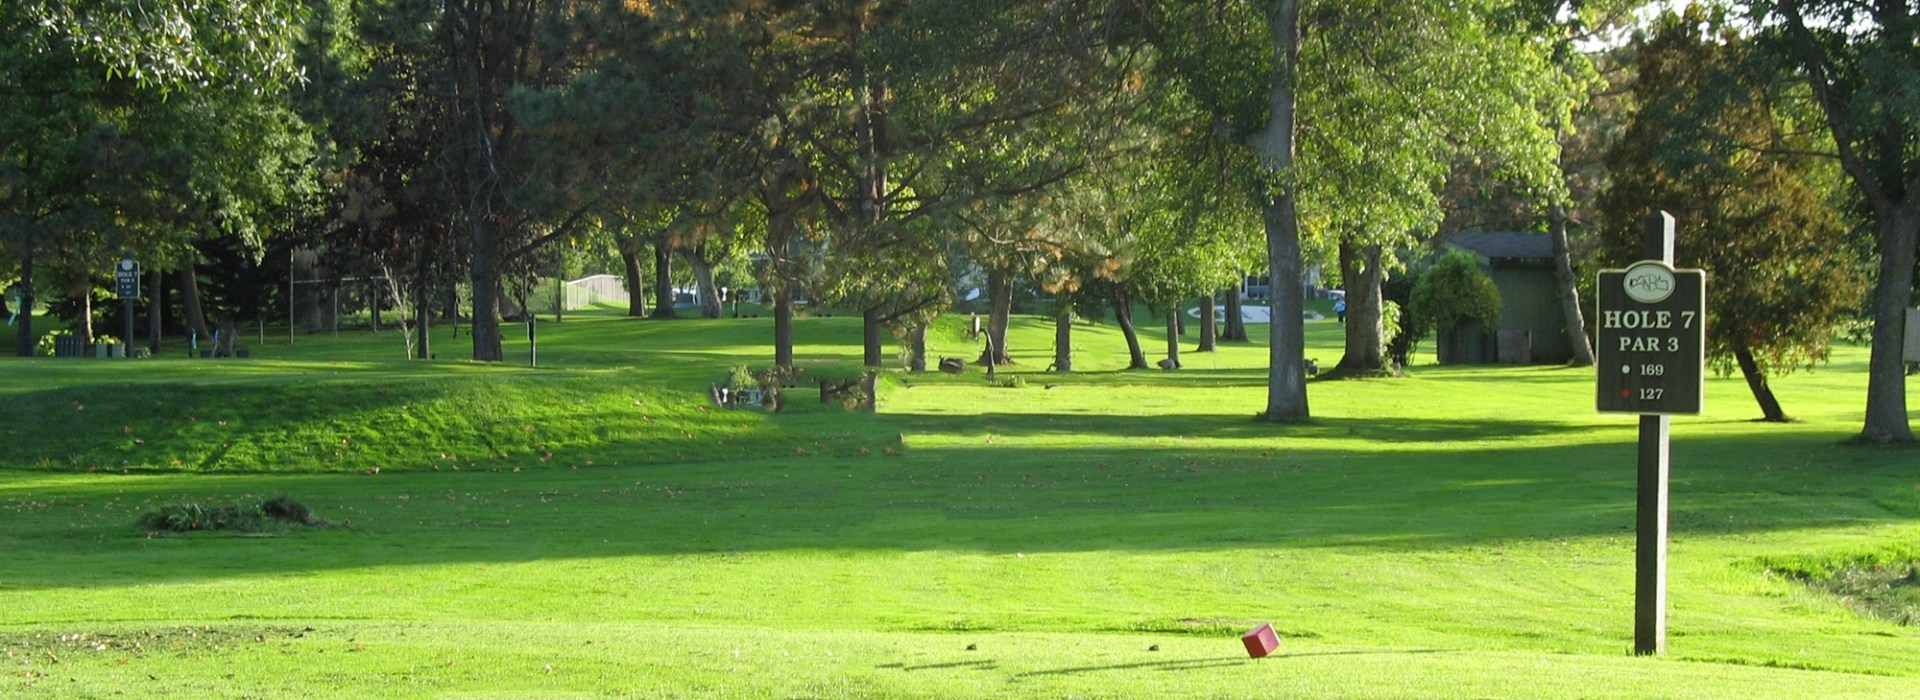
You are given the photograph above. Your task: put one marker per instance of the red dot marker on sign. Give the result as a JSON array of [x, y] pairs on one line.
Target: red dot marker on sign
[[1626, 393]]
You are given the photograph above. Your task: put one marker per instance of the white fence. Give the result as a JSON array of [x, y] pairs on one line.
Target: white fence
[[596, 289]]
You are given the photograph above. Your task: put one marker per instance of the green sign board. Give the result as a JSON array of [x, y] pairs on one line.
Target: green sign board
[[126, 279], [1651, 348]]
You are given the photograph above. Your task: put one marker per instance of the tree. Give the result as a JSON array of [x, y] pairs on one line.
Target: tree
[[966, 117], [387, 211], [117, 137], [495, 61], [1580, 135], [1392, 126], [1178, 240], [1712, 144], [1860, 61], [1242, 65]]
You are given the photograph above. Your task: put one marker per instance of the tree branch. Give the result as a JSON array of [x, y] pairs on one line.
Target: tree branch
[[566, 228], [902, 312], [1819, 78]]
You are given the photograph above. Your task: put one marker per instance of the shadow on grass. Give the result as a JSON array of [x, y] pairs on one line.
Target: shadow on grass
[[79, 531], [1179, 665], [981, 665], [1228, 426], [1217, 661]]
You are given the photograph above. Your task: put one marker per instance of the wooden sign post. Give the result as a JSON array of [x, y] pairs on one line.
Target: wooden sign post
[[1651, 361]]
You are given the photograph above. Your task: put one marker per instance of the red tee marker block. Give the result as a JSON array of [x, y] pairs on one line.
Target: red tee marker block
[[1260, 641]]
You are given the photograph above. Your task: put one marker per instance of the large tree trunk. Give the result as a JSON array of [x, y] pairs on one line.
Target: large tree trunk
[[1893, 190], [24, 341], [1123, 315], [79, 285], [703, 279], [1366, 350], [781, 212], [1173, 338], [156, 311], [1274, 145], [485, 276], [663, 296], [1209, 328], [224, 337], [423, 309], [870, 139], [1236, 322], [450, 303], [86, 317], [783, 327], [870, 337], [307, 312], [1887, 419], [371, 291], [1569, 288], [1757, 383], [1000, 301], [636, 282], [1063, 342], [190, 305], [917, 343]]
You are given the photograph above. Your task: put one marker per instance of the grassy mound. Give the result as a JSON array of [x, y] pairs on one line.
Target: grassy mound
[[302, 417]]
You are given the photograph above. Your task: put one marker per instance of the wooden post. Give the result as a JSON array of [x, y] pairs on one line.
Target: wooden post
[[1650, 514]]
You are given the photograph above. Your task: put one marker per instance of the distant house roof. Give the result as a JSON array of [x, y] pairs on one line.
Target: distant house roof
[[1506, 246]]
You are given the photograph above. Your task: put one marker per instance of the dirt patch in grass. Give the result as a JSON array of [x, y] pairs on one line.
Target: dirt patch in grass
[[1885, 591], [30, 647]]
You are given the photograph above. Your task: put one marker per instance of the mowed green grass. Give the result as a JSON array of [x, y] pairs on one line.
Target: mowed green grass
[[591, 528]]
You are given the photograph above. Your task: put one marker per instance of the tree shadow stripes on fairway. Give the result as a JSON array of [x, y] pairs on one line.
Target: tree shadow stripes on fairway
[[991, 501], [1232, 427]]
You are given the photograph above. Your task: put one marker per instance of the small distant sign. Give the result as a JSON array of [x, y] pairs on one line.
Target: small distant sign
[[126, 279], [1652, 341]]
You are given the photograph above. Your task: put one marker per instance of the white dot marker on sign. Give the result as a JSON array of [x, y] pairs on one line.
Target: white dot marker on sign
[[1626, 369]]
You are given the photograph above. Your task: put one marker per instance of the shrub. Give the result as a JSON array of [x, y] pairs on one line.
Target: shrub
[[1452, 292], [261, 517], [741, 379], [45, 347]]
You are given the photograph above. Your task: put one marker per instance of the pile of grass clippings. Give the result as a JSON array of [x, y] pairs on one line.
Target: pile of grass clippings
[[270, 515]]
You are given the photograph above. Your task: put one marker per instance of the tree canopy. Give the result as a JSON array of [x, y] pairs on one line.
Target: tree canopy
[[1719, 145], [883, 157]]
